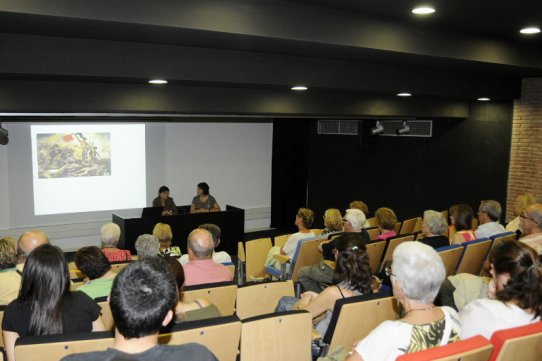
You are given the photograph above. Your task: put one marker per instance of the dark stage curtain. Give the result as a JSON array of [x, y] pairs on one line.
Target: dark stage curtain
[[289, 170]]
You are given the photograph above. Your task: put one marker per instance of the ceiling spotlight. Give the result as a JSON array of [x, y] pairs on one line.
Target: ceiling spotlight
[[404, 94], [483, 99], [4, 140], [378, 129], [423, 10], [157, 81], [530, 30], [405, 129], [299, 87]]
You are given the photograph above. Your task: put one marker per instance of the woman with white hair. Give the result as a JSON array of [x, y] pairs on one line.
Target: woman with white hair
[[433, 228], [110, 234], [416, 277]]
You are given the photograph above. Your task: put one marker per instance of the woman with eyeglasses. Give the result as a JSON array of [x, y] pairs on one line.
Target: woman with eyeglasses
[[416, 275], [516, 296]]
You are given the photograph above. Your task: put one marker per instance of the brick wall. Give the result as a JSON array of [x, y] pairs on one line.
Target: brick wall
[[525, 172]]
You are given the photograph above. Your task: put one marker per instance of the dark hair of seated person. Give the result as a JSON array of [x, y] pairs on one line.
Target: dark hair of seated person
[[142, 294], [45, 282], [352, 264], [176, 270], [163, 189], [92, 262], [463, 215], [204, 187], [525, 285]]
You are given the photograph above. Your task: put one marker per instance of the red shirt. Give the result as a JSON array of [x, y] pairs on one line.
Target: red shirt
[[117, 255]]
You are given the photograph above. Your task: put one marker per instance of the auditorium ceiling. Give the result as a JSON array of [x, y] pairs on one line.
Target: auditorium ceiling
[[465, 50]]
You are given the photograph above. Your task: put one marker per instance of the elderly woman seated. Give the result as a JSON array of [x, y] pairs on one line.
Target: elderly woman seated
[[416, 277], [110, 234], [10, 280], [433, 228], [147, 245]]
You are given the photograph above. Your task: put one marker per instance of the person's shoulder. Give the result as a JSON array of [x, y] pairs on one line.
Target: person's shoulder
[[190, 351], [90, 356]]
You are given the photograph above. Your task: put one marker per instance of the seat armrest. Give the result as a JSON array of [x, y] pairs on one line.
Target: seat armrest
[[282, 258]]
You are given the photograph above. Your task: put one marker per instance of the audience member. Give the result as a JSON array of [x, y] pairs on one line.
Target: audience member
[[517, 292], [201, 268], [110, 234], [162, 232], [333, 221], [461, 224], [143, 296], [317, 277], [10, 279], [165, 201], [522, 202], [416, 277], [218, 257], [530, 224], [433, 228], [489, 214], [385, 221], [98, 275], [352, 277], [362, 207], [28, 241], [45, 305], [199, 309], [147, 245], [303, 220]]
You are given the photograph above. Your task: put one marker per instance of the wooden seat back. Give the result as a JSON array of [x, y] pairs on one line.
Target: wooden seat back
[[54, 347], [375, 251], [107, 316], [308, 255], [278, 336], [393, 242], [280, 241], [372, 222], [407, 227], [261, 298], [477, 348], [222, 295], [373, 233], [256, 253], [450, 257], [220, 335], [474, 254], [522, 343], [355, 317]]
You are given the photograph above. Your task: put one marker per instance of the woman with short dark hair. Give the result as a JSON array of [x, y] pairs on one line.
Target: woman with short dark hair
[[45, 305], [165, 201], [98, 275], [203, 201]]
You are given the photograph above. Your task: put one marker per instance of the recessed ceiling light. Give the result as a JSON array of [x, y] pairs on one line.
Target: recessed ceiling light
[[157, 81], [423, 10], [404, 94], [483, 99], [299, 87], [530, 30]]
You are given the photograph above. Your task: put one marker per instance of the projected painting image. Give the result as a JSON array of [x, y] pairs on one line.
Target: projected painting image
[[74, 155]]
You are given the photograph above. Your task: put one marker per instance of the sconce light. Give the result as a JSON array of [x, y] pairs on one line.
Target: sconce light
[[378, 129], [3, 136], [405, 129]]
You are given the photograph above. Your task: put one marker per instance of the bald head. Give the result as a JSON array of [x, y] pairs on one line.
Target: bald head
[[200, 243], [28, 241]]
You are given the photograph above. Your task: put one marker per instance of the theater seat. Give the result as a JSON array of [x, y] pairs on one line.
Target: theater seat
[[523, 343], [477, 348]]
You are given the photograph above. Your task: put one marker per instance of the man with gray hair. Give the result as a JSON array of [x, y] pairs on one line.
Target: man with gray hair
[[218, 257], [530, 223], [433, 228], [147, 245], [201, 268], [488, 218]]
